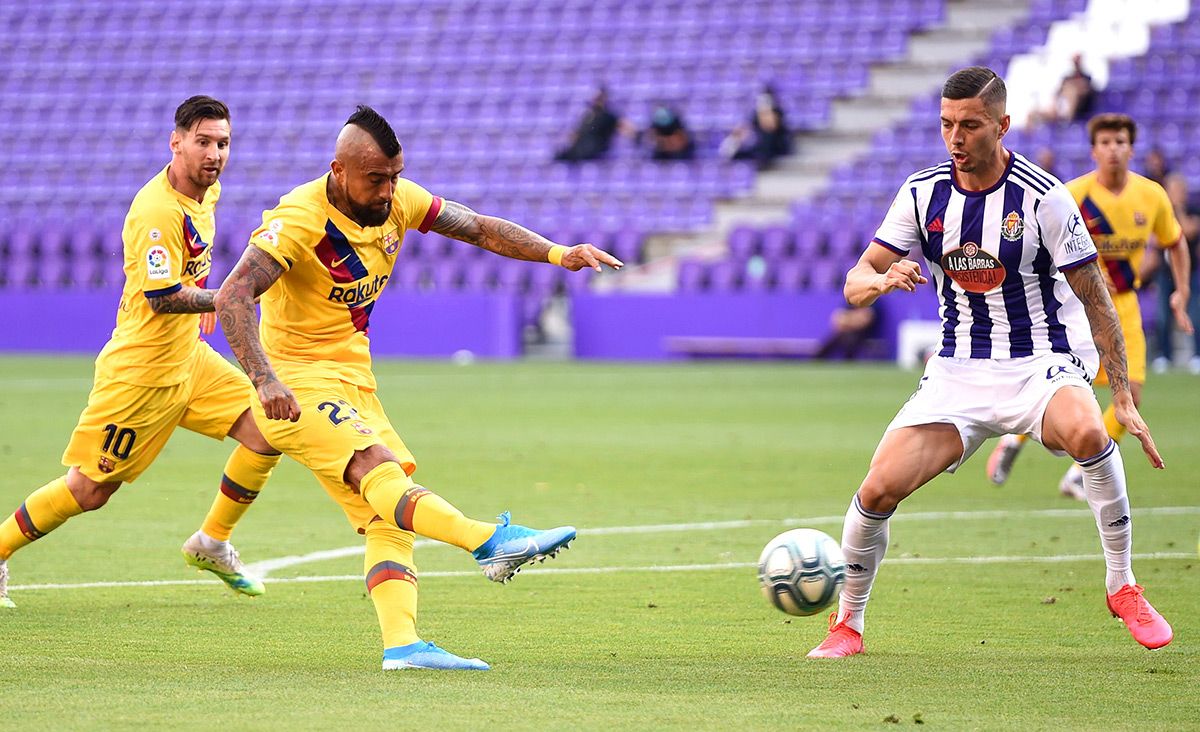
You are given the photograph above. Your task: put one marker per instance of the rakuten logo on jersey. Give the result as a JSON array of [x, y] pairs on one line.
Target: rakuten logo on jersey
[[359, 291]]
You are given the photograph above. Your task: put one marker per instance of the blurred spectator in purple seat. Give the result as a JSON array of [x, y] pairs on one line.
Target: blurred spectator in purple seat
[[669, 137], [594, 134], [851, 329], [765, 138], [1157, 169], [1075, 98], [1046, 161]]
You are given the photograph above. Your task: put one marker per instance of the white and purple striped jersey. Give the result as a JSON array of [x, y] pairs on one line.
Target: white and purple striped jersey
[[997, 258]]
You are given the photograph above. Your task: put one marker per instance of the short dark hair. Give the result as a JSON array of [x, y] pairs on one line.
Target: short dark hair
[[197, 108], [976, 81], [373, 122], [1114, 122]]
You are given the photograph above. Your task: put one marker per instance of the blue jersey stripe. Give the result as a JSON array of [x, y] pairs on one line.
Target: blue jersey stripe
[[981, 320], [1042, 263], [345, 251], [1034, 173], [931, 246], [1020, 337], [932, 174], [1038, 188]]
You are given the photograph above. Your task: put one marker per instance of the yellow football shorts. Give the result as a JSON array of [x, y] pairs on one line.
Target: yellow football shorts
[[1130, 315], [125, 426], [336, 419]]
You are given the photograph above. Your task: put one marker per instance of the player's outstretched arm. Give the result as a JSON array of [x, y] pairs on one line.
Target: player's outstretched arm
[[184, 300], [878, 272], [254, 274], [515, 241], [1088, 283]]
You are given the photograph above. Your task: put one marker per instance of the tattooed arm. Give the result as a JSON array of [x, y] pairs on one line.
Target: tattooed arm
[[184, 300], [513, 240], [1089, 286], [254, 275]]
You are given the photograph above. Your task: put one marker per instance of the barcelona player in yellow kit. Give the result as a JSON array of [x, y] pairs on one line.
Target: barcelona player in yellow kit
[[320, 261], [156, 373], [1124, 212]]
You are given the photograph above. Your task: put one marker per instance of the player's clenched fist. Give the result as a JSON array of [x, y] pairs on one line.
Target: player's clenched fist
[[586, 255], [278, 401], [902, 275]]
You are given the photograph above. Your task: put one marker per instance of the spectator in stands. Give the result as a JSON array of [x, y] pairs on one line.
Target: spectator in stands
[[1074, 99], [1157, 169], [1188, 214], [669, 137], [766, 136], [594, 135], [1047, 161], [851, 329], [1076, 95]]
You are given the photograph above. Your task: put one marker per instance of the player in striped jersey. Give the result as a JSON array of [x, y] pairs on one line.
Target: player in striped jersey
[[1124, 213], [1024, 310]]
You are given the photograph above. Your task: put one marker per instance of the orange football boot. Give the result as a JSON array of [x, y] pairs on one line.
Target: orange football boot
[[842, 641], [1145, 623]]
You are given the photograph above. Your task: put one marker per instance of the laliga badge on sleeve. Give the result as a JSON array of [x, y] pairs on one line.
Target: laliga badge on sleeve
[[158, 264]]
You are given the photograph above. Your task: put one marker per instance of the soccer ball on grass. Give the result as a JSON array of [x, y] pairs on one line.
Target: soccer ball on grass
[[801, 571]]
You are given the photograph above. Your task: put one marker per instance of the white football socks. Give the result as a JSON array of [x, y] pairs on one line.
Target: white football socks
[[1104, 481], [864, 541]]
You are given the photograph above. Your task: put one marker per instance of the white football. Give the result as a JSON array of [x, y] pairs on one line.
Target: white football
[[801, 571]]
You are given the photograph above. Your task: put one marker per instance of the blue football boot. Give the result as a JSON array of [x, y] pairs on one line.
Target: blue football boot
[[427, 655], [513, 546]]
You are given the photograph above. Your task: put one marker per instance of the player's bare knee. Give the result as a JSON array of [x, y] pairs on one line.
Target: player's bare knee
[[1088, 440], [364, 461], [246, 431], [878, 495], [89, 494]]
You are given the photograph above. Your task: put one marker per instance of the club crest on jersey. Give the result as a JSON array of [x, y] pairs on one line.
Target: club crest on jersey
[[158, 264], [973, 269], [1139, 218], [391, 242], [105, 465], [1013, 227]]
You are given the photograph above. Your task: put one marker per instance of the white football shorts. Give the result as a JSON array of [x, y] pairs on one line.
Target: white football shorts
[[985, 398]]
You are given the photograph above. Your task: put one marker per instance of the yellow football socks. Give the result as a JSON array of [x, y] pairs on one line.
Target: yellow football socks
[[408, 506], [43, 511], [1115, 429], [246, 472], [392, 582]]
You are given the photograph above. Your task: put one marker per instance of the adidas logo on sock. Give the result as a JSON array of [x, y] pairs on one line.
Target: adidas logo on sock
[[1119, 522]]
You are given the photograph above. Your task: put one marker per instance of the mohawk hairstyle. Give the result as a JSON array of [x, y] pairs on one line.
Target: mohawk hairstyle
[[373, 122], [976, 81], [197, 108]]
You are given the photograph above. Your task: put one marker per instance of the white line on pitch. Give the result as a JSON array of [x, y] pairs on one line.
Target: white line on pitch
[[266, 566], [613, 570]]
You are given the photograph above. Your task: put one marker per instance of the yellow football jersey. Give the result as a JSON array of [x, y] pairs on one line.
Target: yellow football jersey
[[168, 245], [315, 317], [1121, 224]]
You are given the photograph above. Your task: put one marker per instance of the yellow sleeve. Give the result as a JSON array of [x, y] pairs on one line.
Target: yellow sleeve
[[153, 238], [1078, 189], [1166, 227], [289, 233], [420, 208]]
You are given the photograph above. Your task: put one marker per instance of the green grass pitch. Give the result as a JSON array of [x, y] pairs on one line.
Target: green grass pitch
[[991, 615]]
